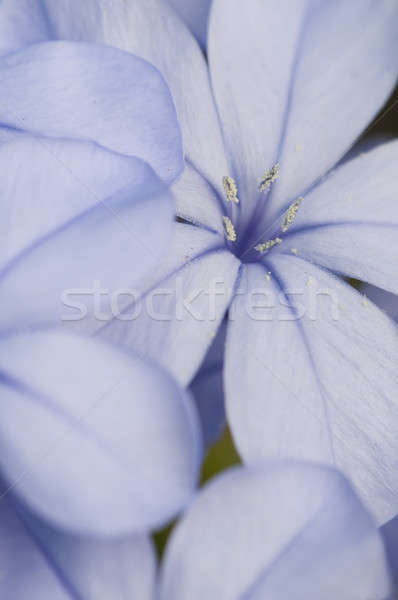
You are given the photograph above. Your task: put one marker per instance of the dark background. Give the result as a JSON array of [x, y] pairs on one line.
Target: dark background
[[386, 122]]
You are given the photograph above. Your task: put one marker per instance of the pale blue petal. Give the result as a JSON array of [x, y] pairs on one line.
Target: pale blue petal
[[296, 83], [25, 570], [197, 201], [99, 242], [389, 532], [208, 390], [42, 564], [177, 317], [195, 13], [22, 23], [385, 300], [91, 439], [93, 92], [9, 134], [369, 142], [349, 222], [149, 29], [45, 183], [275, 532], [315, 376], [121, 569]]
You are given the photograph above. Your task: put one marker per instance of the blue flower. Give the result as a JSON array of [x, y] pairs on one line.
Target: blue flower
[[387, 301], [195, 13], [270, 532], [76, 199], [93, 440], [287, 90]]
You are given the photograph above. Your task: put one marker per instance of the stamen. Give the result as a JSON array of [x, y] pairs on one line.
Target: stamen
[[231, 189], [269, 178], [267, 245], [291, 214], [229, 229]]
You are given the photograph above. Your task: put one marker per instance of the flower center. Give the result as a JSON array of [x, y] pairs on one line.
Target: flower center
[[260, 247]]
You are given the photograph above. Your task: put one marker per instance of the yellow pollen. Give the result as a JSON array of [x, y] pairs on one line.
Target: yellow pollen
[[229, 229], [231, 190], [293, 250], [291, 214], [267, 245], [365, 301], [268, 276], [269, 178]]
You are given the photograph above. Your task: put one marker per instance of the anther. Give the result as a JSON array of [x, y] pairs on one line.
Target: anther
[[231, 189], [229, 229], [268, 245], [291, 214], [269, 178]]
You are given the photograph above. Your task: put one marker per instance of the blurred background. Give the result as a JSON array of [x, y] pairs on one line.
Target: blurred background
[[386, 123]]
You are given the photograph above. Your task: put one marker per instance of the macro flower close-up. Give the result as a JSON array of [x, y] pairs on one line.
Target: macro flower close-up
[[198, 268], [310, 517]]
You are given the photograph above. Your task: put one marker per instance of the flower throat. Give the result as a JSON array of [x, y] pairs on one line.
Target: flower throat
[[231, 194]]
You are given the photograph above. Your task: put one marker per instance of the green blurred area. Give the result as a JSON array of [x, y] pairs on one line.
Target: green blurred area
[[219, 457]]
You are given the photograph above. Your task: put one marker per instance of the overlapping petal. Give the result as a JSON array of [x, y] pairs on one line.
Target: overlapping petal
[[389, 533], [349, 222], [311, 373], [176, 319], [197, 201], [153, 31], [195, 13], [38, 562], [281, 530], [23, 23], [208, 390], [385, 300], [82, 246], [284, 74], [91, 439], [45, 183], [92, 92]]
